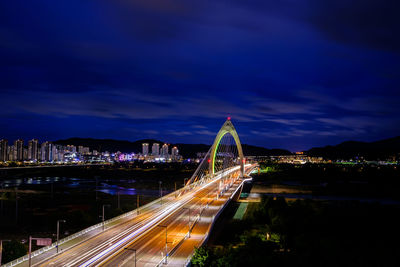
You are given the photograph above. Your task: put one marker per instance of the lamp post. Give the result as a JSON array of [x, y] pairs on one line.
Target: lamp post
[[16, 205], [1, 247], [166, 243], [137, 204], [58, 231], [189, 220], [134, 250], [159, 186], [103, 213]]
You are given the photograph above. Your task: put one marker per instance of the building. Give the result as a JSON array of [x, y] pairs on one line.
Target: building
[[83, 150], [10, 153], [164, 151], [19, 150], [145, 149], [155, 149], [3, 150], [71, 149], [33, 150], [46, 152], [174, 152]]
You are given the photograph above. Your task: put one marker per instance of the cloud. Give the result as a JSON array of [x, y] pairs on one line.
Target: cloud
[[206, 132], [199, 127], [366, 23], [180, 133]]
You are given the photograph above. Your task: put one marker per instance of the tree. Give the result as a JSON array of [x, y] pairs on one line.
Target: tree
[[202, 257], [13, 250]]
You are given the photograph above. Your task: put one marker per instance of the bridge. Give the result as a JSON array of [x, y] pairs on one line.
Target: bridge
[[165, 231]]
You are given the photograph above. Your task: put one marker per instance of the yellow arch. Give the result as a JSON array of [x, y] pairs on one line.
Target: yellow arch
[[226, 128]]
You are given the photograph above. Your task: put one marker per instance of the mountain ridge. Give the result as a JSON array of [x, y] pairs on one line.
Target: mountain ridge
[[369, 150]]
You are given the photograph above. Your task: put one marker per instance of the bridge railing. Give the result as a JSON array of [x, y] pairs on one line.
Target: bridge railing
[[99, 225]]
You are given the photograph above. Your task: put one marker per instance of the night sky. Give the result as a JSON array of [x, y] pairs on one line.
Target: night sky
[[292, 74]]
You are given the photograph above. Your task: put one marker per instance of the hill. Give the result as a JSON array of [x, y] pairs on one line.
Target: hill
[[369, 150]]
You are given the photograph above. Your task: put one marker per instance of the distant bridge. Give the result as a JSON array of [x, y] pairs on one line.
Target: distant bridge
[[167, 230]]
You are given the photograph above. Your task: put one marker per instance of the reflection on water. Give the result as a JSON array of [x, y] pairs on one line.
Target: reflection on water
[[107, 186]]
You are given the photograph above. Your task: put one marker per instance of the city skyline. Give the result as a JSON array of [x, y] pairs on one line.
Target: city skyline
[[292, 75]]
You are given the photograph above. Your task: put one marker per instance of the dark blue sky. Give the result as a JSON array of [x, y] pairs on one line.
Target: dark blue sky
[[292, 74]]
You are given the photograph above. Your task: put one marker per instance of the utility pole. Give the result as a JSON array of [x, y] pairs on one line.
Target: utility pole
[[16, 205], [134, 250], [96, 186], [189, 220], [159, 182], [58, 231], [118, 200], [1, 248], [166, 243], [137, 204], [103, 214]]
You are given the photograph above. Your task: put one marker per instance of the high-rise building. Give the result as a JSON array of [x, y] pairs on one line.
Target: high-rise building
[[164, 151], [145, 149], [46, 152], [155, 149], [174, 152], [19, 148], [33, 150], [11, 154], [3, 150]]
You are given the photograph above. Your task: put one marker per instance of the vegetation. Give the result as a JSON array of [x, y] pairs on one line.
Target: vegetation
[[330, 179], [307, 233]]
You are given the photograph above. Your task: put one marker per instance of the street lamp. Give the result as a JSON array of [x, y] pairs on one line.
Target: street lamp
[[166, 243], [189, 219], [1, 247], [58, 231], [137, 204], [134, 250], [159, 186], [106, 205]]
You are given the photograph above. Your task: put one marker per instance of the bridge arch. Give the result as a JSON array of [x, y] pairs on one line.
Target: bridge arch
[[225, 129]]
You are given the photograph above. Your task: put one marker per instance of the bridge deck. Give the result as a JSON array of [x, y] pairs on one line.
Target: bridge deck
[[141, 232]]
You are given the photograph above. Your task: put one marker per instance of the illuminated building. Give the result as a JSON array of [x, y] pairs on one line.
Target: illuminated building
[[174, 152], [164, 151], [46, 152], [3, 150], [145, 149], [19, 149], [33, 150], [155, 149]]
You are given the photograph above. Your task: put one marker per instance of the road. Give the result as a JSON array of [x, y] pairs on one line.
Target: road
[[146, 232]]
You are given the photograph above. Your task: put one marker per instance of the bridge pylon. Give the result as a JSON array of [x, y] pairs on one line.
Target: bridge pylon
[[226, 128]]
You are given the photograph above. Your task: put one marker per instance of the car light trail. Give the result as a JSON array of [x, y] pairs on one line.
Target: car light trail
[[153, 222]]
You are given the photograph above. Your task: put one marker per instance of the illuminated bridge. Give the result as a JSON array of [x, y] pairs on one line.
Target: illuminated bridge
[[165, 231]]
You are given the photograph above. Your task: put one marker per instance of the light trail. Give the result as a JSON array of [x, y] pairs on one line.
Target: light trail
[[164, 214]]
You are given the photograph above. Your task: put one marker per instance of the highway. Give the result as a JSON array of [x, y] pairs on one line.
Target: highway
[[146, 232]]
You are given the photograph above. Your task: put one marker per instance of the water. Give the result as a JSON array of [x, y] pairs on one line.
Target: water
[[107, 186]]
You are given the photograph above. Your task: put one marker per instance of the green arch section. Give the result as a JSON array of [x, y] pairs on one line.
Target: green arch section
[[226, 128]]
